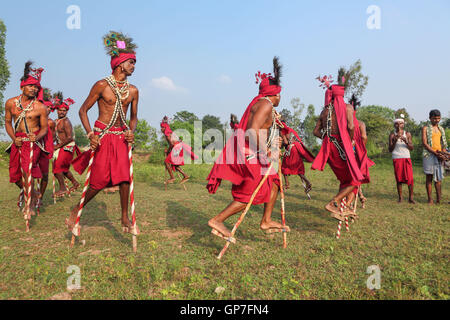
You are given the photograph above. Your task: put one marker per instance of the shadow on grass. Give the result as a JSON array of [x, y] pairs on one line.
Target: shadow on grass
[[94, 215]]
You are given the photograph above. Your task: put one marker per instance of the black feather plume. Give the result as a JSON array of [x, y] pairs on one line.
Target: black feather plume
[[27, 70], [355, 101], [277, 71]]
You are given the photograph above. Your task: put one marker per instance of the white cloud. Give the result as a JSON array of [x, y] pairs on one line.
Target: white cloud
[[224, 79], [167, 84]]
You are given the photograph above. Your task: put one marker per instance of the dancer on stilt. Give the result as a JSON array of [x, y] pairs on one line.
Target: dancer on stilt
[[26, 124], [359, 147], [293, 157], [175, 153], [250, 158], [337, 130], [111, 138], [234, 122], [47, 142], [65, 148]]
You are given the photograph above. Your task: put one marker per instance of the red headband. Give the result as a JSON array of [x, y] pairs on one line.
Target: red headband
[[116, 61], [265, 88], [34, 79], [66, 104]]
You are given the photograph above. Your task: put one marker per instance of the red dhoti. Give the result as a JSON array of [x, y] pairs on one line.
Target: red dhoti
[[63, 161], [244, 191], [293, 163], [340, 168], [44, 159], [176, 156], [111, 165], [403, 171], [20, 160]]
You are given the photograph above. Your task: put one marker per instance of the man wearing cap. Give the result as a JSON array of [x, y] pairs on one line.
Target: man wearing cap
[[400, 144]]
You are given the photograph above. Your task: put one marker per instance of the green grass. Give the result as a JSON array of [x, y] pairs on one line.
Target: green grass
[[177, 253]]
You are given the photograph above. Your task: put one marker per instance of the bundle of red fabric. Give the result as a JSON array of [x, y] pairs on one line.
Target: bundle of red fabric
[[166, 128], [348, 172], [232, 165], [293, 163], [361, 152], [176, 156]]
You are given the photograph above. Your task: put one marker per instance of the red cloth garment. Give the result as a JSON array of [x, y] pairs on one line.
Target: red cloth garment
[[244, 191], [44, 159], [339, 166], [18, 159], [327, 151], [293, 163], [167, 130], [361, 152], [176, 156], [233, 126], [63, 162], [122, 57], [111, 165], [404, 171], [232, 164], [301, 148]]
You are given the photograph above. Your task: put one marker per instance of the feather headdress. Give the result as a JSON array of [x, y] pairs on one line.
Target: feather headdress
[[117, 43]]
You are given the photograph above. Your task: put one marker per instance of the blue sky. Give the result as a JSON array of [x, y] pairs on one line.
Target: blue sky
[[202, 55]]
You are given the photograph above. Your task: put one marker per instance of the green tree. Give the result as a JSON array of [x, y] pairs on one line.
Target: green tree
[[355, 81], [185, 116], [80, 137], [308, 126], [211, 122], [145, 136], [286, 116], [379, 124], [4, 71], [296, 120]]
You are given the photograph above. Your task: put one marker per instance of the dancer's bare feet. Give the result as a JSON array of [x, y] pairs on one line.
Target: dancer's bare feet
[[220, 227], [61, 193], [171, 181], [412, 201], [332, 208], [399, 200], [186, 179], [75, 187], [268, 226]]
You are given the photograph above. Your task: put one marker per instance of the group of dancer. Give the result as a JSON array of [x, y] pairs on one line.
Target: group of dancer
[[37, 139], [251, 159]]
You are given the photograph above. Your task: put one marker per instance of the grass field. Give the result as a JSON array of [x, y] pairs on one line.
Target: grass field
[[177, 253]]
